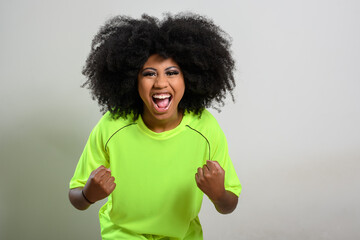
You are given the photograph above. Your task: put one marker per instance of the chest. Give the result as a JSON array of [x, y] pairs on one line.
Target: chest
[[177, 157]]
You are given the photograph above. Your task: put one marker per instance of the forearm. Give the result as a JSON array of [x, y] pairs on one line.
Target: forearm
[[226, 203], [77, 199]]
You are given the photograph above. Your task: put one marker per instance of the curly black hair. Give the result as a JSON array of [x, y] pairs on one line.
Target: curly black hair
[[123, 45]]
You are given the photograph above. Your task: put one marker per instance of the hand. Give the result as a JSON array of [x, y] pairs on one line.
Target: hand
[[210, 179], [99, 185]]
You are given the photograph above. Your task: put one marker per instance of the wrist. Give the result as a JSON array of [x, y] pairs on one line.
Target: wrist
[[219, 197], [226, 203], [86, 199]]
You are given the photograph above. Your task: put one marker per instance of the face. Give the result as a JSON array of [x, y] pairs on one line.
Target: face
[[161, 87]]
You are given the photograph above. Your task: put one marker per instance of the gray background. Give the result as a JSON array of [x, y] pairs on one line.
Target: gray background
[[293, 132]]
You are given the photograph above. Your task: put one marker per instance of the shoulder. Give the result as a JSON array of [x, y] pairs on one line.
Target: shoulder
[[208, 127], [206, 124], [205, 121], [108, 125]]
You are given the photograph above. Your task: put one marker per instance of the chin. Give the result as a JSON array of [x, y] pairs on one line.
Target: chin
[[162, 116]]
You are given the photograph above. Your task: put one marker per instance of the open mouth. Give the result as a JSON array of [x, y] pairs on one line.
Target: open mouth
[[162, 101]]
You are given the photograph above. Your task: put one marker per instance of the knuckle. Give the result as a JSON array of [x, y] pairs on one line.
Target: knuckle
[[93, 180], [97, 180]]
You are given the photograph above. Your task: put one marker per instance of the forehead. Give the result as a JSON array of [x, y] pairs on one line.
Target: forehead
[[158, 62]]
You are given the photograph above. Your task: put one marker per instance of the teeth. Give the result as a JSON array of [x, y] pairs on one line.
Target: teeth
[[161, 96]]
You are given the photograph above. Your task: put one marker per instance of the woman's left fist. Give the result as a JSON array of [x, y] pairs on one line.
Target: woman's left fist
[[210, 179]]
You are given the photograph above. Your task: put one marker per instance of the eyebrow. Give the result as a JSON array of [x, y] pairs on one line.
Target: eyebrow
[[154, 69]]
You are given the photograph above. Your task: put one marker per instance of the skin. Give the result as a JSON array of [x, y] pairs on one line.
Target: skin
[[160, 76], [210, 179], [99, 185]]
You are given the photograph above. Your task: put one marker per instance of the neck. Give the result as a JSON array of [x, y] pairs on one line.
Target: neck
[[162, 125]]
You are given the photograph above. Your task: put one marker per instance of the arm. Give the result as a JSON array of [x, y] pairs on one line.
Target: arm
[[210, 179], [99, 185], [227, 203], [77, 199]]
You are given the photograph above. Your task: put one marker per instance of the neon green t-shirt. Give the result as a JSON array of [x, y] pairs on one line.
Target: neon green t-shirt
[[156, 194]]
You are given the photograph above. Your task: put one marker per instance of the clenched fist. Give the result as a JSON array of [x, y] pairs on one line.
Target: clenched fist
[[210, 179], [99, 185]]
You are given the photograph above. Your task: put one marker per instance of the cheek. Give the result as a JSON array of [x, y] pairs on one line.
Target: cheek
[[143, 89], [181, 88]]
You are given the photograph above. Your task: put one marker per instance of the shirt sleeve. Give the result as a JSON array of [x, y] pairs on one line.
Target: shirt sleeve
[[93, 156], [220, 154]]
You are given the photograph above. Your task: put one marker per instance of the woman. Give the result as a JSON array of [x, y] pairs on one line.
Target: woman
[[156, 150]]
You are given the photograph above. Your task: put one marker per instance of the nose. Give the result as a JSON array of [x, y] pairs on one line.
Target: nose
[[161, 81]]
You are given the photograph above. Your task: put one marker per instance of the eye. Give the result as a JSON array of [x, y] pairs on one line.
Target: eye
[[171, 73], [148, 74]]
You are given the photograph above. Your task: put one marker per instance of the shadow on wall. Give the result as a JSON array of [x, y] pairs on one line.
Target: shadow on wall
[[40, 153]]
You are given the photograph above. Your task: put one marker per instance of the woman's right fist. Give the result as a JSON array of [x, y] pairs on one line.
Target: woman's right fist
[[99, 185]]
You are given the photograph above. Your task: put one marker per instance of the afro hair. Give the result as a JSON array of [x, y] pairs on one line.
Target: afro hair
[[123, 45]]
